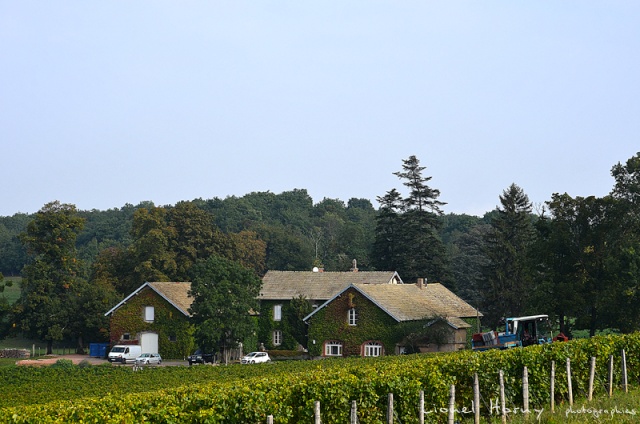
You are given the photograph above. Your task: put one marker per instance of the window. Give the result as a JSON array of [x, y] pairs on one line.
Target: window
[[333, 348], [373, 349], [352, 316], [277, 337], [277, 312], [173, 338], [149, 313], [126, 336]]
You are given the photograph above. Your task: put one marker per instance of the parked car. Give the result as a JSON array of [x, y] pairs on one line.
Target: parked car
[[201, 358], [255, 358], [148, 358]]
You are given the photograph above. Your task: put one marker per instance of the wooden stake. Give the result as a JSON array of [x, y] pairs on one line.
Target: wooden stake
[[476, 399], [525, 390], [569, 382], [390, 409], [421, 409], [316, 412], [553, 386], [452, 404], [269, 419], [624, 372], [610, 375], [354, 412], [592, 374], [503, 407]]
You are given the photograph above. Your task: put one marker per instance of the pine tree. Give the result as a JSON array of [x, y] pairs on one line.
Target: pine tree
[[407, 238], [507, 275]]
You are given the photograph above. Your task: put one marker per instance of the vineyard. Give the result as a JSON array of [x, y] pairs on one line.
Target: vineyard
[[288, 391]]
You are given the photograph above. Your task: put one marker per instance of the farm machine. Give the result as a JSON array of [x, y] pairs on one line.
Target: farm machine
[[519, 331]]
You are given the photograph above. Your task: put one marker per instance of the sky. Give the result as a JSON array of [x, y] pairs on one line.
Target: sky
[[104, 104]]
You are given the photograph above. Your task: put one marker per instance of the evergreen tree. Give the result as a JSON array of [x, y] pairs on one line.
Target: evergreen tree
[[407, 236], [508, 282]]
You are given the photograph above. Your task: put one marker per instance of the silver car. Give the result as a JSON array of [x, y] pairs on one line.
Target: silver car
[[148, 358]]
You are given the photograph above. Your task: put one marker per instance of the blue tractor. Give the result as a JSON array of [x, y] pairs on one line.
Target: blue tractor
[[519, 331]]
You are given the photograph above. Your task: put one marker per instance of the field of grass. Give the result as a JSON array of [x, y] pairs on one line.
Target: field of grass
[[36, 347], [12, 293]]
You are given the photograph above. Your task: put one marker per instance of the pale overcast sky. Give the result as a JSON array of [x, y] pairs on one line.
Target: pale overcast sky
[[115, 102]]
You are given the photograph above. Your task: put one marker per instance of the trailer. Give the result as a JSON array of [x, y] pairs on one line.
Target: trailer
[[519, 331]]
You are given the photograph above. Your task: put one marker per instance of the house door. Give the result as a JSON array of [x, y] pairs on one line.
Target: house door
[[149, 342]]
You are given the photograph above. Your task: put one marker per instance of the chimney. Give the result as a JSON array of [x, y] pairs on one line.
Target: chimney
[[355, 266], [421, 283]]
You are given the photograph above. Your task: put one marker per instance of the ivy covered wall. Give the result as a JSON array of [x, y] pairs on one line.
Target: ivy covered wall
[[267, 325], [330, 323], [175, 333]]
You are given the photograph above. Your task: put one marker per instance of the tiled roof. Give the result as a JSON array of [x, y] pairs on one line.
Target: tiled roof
[[175, 293], [408, 302], [286, 285]]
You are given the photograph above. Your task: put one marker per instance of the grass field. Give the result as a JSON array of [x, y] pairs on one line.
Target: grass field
[[12, 293], [36, 347]]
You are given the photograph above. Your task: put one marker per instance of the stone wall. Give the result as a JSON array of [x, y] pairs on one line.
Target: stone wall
[[15, 353]]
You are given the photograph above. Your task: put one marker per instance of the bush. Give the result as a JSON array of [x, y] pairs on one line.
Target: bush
[[63, 363]]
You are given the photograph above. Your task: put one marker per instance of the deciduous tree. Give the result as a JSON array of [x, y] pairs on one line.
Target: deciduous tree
[[224, 296], [44, 309]]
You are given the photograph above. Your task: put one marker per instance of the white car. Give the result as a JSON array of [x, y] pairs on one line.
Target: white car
[[255, 358], [148, 358]]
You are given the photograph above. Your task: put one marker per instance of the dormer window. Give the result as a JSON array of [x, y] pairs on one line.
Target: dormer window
[[352, 316]]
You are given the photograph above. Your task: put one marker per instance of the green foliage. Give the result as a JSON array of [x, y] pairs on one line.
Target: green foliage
[[53, 278], [63, 363], [287, 390], [407, 232], [508, 278], [224, 293]]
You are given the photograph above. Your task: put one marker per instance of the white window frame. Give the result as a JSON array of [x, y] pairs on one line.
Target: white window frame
[[149, 313], [277, 312], [277, 337], [352, 317], [333, 348], [373, 349]]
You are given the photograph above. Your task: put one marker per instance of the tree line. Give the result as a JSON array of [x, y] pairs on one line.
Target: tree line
[[574, 258]]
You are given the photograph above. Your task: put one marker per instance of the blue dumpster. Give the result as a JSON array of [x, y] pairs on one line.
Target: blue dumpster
[[98, 350]]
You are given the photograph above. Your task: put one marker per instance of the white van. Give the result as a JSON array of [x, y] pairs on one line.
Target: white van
[[124, 353]]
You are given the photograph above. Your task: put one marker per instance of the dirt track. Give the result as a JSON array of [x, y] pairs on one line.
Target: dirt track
[[76, 359], [51, 359]]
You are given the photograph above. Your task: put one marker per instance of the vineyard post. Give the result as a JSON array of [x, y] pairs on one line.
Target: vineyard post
[[553, 386], [592, 374], [452, 404], [569, 388], [525, 390], [316, 411], [502, 399], [354, 412], [476, 399], [390, 409], [624, 372], [610, 375], [421, 408]]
